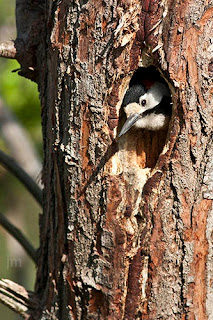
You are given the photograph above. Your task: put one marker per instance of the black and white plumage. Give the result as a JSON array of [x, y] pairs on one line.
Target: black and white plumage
[[147, 109]]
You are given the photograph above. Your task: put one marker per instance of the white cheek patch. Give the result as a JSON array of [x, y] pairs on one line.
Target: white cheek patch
[[155, 95]]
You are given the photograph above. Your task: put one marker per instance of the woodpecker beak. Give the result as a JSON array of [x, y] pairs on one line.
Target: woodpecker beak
[[129, 123]]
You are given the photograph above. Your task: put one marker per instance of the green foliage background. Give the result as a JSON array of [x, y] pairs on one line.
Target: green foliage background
[[21, 97]]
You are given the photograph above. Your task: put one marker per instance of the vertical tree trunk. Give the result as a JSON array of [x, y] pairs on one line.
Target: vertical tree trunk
[[124, 237]]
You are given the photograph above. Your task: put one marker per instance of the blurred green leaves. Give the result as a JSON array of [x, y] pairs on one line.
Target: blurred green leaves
[[21, 96], [7, 12]]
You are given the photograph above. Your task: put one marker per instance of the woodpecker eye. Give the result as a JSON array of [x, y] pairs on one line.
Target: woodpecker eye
[[143, 102]]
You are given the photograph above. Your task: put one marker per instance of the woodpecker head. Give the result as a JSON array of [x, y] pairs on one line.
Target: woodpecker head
[[147, 109]]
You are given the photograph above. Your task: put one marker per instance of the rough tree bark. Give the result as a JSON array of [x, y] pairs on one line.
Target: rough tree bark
[[122, 236]]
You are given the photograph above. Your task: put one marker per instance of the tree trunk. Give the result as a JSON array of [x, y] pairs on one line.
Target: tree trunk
[[127, 225]]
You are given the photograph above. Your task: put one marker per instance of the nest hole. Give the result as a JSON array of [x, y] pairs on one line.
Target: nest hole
[[145, 145]]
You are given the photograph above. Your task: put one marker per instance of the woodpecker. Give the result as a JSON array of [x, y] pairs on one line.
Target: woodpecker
[[149, 109]]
